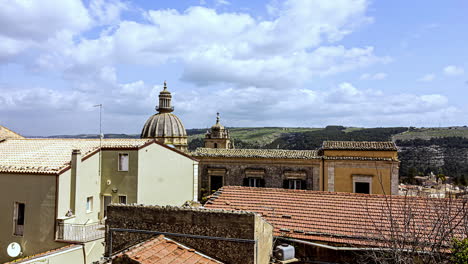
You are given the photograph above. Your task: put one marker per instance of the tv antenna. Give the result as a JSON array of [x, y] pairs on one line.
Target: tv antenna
[[101, 136]]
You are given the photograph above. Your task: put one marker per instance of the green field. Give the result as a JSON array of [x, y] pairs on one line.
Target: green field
[[260, 136], [428, 133]]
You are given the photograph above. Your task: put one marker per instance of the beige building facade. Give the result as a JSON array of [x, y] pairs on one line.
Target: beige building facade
[[54, 192]]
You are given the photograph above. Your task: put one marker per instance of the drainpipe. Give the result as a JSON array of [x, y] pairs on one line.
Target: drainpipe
[[75, 164]]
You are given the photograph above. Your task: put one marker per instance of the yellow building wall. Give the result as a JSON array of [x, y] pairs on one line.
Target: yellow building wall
[[380, 180], [165, 177], [344, 170], [361, 153], [124, 182], [38, 192]]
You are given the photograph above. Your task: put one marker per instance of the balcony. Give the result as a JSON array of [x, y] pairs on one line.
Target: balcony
[[79, 232]]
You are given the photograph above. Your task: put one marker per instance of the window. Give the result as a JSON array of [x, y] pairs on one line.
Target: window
[[362, 183], [107, 201], [122, 199], [216, 182], [254, 182], [89, 204], [362, 187], [294, 184], [123, 161], [18, 219], [215, 145]]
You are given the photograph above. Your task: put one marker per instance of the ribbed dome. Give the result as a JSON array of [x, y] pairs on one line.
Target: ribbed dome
[[163, 125]]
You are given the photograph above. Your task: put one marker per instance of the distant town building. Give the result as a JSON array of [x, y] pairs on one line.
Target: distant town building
[[54, 192], [164, 126], [218, 136]]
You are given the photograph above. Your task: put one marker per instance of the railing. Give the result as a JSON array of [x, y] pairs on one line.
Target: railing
[[79, 232]]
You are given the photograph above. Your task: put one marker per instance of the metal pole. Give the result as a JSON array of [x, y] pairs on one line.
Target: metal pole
[[100, 136]]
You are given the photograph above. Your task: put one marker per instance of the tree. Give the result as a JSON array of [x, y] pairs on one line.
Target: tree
[[460, 251], [418, 230]]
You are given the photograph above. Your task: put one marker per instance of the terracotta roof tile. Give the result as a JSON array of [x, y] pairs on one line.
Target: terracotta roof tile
[[162, 250], [256, 153], [52, 155], [346, 218], [358, 145]]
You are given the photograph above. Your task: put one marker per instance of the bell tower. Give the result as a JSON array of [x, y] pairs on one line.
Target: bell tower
[[218, 136]]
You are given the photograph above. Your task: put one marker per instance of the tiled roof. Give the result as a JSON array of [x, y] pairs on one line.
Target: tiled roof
[[328, 217], [162, 250], [360, 158], [358, 145], [6, 133], [256, 153], [30, 259], [52, 155]]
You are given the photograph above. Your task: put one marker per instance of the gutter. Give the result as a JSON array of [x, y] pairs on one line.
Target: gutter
[[348, 248]]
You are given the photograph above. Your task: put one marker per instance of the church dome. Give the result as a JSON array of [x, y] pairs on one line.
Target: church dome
[[163, 125]]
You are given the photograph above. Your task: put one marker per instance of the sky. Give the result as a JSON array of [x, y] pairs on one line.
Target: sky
[[294, 63]]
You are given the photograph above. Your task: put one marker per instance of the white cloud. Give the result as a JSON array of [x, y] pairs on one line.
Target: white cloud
[[427, 78], [107, 12], [222, 2], [234, 48], [344, 104], [453, 70], [376, 76]]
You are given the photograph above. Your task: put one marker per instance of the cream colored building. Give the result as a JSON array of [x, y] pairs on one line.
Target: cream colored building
[[54, 192]]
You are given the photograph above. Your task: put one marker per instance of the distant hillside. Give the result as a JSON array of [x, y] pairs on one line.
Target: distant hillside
[[428, 133]]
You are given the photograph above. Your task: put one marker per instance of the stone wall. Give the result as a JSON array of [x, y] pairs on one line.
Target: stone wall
[[274, 171], [202, 222]]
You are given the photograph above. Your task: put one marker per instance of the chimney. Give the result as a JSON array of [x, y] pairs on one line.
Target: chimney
[[75, 164]]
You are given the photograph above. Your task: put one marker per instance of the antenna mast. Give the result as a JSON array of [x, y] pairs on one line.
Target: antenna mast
[[101, 136]]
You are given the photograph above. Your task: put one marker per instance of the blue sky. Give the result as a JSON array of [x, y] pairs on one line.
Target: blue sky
[[307, 63]]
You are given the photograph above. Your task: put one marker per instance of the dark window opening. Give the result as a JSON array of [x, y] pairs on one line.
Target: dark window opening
[[122, 199], [107, 201], [215, 145], [362, 187], [216, 182], [19, 219]]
